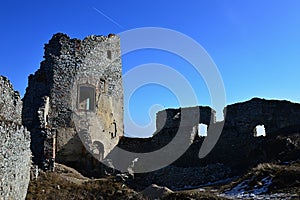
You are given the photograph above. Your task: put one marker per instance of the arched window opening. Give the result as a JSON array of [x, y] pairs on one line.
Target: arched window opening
[[259, 131], [86, 98], [103, 86], [202, 130]]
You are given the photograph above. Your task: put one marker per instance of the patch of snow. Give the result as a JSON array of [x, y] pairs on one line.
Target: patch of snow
[[243, 188], [243, 191], [239, 189], [266, 183], [276, 196]]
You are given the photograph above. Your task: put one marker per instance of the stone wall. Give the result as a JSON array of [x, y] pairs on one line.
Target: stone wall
[[63, 126], [10, 102], [15, 155], [173, 118], [244, 116], [237, 144], [273, 114]]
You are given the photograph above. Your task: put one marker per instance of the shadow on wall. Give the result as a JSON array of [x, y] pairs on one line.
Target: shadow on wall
[[247, 129], [86, 156]]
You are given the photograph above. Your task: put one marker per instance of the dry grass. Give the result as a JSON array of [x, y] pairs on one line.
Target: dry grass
[[188, 195], [285, 178], [66, 183]]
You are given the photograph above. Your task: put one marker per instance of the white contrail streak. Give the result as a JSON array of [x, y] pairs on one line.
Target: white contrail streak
[[109, 18]]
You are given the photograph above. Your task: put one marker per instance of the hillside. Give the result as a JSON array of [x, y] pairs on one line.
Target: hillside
[[277, 179], [273, 181]]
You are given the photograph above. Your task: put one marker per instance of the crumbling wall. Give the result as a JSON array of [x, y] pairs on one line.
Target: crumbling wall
[[15, 155], [273, 114], [237, 143], [70, 64], [10, 102], [173, 118], [237, 149]]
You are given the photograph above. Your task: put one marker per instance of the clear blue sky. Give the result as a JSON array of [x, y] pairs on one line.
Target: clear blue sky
[[255, 44]]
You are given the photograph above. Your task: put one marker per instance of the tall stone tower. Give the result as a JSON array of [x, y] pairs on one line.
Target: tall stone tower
[[73, 105]]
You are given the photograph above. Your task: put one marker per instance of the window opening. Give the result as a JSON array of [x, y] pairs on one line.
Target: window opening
[[259, 131], [202, 130], [86, 98]]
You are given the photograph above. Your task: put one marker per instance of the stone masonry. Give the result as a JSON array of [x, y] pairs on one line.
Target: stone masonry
[[238, 142], [237, 149], [73, 105], [15, 155], [172, 118]]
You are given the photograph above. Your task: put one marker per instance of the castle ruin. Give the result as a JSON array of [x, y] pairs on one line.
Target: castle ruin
[[238, 148], [15, 155], [73, 108], [73, 104]]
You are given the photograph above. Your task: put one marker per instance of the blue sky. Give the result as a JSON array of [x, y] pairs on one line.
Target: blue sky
[[255, 44]]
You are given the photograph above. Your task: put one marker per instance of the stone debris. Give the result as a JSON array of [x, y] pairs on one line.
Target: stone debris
[[156, 192]]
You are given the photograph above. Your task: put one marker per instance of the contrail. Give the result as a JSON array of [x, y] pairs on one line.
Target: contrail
[[109, 18]]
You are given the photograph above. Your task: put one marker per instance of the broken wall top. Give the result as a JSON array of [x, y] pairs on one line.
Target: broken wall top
[[10, 102]]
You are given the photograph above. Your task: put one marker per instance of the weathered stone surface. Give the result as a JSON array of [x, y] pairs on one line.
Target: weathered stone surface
[[10, 102], [69, 129], [192, 116], [236, 150], [156, 192], [15, 155], [273, 114], [75, 96]]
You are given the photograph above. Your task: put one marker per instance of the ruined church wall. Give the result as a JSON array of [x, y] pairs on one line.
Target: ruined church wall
[[15, 154]]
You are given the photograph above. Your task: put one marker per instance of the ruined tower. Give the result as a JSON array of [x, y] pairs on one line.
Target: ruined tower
[[73, 105]]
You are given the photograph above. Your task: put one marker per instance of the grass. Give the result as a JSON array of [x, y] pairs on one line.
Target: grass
[[66, 183], [69, 184], [188, 195], [285, 178]]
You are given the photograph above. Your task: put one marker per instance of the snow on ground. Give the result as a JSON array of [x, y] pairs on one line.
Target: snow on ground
[[276, 196], [244, 187], [244, 191]]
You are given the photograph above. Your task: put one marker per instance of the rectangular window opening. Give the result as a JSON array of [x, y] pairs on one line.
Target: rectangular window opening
[[109, 54], [202, 130], [86, 98], [259, 130]]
